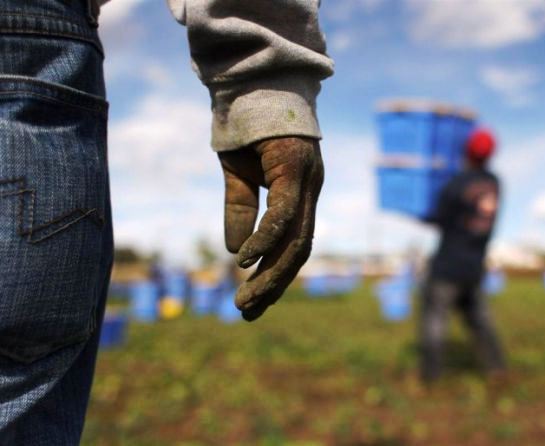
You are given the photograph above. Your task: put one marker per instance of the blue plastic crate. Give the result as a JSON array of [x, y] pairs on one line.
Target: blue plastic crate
[[226, 311], [394, 296], [144, 301], [343, 284], [113, 331], [205, 298], [327, 285], [317, 286], [176, 285], [493, 282], [431, 136], [446, 140], [420, 151], [410, 191], [407, 133], [464, 127]]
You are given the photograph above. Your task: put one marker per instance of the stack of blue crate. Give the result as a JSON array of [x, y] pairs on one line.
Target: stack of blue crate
[[422, 146]]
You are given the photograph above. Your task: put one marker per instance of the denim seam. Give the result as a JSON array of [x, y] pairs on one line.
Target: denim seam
[[25, 15], [49, 25], [50, 99], [71, 217], [51, 33], [10, 84], [55, 88]]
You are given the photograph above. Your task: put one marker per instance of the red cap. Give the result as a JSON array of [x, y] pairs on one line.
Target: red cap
[[480, 145]]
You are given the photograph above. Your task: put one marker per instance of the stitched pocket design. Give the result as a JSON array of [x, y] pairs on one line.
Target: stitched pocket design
[[31, 230]]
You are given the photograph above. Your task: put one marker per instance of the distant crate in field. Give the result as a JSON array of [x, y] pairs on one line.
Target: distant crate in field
[[176, 285], [330, 284], [113, 330], [227, 311], [144, 301], [421, 147], [493, 282], [394, 295], [205, 298]]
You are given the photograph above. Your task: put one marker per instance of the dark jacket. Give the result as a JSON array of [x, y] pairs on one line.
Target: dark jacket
[[465, 213]]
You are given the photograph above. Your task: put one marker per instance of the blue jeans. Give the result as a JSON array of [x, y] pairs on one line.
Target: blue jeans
[[55, 220]]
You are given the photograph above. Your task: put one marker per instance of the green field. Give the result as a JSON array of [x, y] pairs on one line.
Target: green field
[[319, 372]]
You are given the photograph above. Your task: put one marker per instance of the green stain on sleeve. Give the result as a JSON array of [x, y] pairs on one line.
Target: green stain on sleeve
[[291, 115]]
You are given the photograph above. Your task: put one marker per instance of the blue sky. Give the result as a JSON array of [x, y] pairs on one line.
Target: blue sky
[[485, 54]]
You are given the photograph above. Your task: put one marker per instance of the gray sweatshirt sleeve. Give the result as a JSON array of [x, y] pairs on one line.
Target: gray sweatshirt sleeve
[[262, 61]]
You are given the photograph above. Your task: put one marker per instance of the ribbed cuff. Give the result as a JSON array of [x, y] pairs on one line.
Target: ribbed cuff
[[244, 114]]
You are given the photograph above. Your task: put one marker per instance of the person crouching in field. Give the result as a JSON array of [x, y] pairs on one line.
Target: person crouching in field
[[465, 214]]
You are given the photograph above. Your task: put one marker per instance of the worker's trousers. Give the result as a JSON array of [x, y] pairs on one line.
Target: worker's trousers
[[438, 298], [55, 219]]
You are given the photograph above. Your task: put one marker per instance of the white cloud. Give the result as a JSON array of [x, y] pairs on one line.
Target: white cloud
[[477, 23], [521, 160], [135, 51], [163, 134], [174, 230], [519, 165], [538, 207], [370, 5], [119, 31], [115, 12], [158, 76], [167, 187], [341, 41], [533, 233], [349, 220], [514, 84]]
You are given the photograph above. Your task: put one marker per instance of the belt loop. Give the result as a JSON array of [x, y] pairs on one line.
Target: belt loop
[[93, 11]]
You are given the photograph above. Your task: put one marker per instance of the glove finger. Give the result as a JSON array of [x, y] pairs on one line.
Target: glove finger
[[241, 208], [278, 268], [284, 163], [283, 200], [275, 272]]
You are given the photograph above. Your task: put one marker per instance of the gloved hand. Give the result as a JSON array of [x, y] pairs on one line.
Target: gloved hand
[[292, 170]]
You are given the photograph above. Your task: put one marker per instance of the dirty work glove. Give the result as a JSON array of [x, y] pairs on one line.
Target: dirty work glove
[[292, 170]]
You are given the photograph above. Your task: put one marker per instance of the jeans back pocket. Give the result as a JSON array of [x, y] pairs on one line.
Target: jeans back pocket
[[53, 200]]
